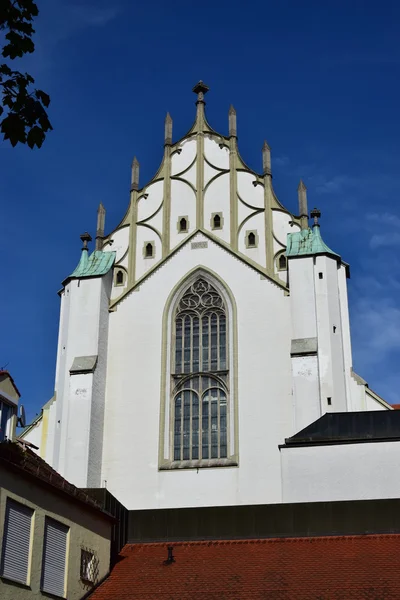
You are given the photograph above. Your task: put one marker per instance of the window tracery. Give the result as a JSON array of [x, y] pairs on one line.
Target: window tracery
[[200, 375]]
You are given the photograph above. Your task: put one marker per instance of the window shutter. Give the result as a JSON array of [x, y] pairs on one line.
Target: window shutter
[[16, 542], [54, 557]]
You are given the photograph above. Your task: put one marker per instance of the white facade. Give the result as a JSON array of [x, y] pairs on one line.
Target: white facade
[[114, 420], [362, 471]]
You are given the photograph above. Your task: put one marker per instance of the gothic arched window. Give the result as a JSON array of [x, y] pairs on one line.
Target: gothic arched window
[[251, 240], [282, 265], [119, 280], [200, 375]]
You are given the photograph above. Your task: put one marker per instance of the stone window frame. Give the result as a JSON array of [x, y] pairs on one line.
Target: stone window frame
[[171, 387], [153, 254], [221, 216], [246, 239], [178, 225], [117, 270], [278, 257]]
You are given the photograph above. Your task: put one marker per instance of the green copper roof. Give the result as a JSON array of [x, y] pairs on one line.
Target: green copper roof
[[95, 265], [307, 241]]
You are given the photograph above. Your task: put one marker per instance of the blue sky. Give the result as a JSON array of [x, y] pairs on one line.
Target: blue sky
[[319, 80]]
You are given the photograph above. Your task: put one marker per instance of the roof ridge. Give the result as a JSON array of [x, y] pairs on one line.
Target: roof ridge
[[309, 539]]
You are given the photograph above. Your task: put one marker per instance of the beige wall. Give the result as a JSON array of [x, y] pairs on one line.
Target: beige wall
[[87, 530]]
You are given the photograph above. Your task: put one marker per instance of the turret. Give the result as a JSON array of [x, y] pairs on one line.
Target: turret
[[320, 347]]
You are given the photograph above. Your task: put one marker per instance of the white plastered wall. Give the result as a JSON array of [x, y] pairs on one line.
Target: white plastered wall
[[133, 394], [329, 326], [79, 405], [340, 472]]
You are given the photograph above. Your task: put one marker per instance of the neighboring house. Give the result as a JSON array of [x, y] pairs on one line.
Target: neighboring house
[[54, 538], [9, 398]]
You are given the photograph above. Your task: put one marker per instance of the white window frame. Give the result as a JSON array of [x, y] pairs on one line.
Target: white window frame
[[11, 408]]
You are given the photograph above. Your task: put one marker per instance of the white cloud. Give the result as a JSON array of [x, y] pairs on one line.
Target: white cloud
[[384, 219], [94, 16], [379, 240]]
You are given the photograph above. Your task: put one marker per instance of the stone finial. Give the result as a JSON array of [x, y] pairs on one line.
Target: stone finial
[[135, 174], [266, 153], [315, 214], [85, 237], [303, 209], [168, 130], [101, 219], [232, 122], [201, 90]]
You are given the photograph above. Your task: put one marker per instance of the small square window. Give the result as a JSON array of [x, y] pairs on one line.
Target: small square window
[[329, 400], [89, 566], [321, 275]]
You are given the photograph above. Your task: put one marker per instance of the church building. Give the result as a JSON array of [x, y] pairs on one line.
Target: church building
[[204, 354]]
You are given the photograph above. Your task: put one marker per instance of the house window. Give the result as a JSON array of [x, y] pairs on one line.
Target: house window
[[119, 279], [251, 239], [183, 225], [200, 377], [54, 557], [16, 542], [282, 263], [6, 412], [148, 250], [89, 566]]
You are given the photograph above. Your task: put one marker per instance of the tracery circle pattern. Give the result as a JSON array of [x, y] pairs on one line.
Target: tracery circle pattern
[[201, 297]]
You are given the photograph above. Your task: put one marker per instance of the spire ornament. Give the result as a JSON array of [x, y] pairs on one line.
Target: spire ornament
[[85, 237], [200, 89], [101, 218], [303, 208], [168, 130], [232, 122], [315, 214], [135, 174], [266, 154]]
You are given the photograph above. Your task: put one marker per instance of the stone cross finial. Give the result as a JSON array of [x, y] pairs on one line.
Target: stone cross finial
[[232, 122], [135, 174], [200, 89], [85, 237], [315, 214], [266, 154], [168, 130]]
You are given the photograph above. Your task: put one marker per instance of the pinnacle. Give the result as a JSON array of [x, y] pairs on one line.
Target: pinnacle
[[301, 186]]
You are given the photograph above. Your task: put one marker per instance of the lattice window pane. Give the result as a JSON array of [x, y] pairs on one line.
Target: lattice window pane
[[178, 346], [201, 427], [177, 428]]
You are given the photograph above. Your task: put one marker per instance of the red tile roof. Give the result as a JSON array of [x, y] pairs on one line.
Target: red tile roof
[[330, 568]]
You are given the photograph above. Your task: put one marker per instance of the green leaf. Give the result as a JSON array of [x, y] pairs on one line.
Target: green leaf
[[43, 97]]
